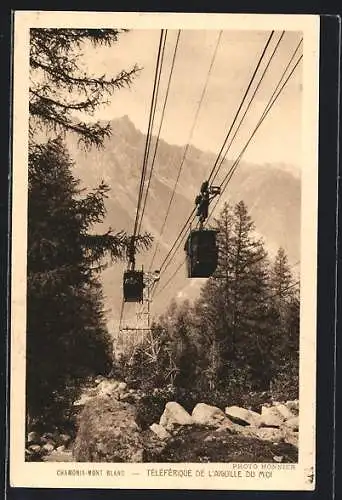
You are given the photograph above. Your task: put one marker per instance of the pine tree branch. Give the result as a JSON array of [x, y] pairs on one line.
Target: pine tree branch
[[79, 106], [58, 74], [89, 134], [54, 60]]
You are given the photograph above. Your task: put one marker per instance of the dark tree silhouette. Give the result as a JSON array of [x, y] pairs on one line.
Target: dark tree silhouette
[[67, 337], [60, 90]]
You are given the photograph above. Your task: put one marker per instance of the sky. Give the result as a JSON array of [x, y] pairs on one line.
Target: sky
[[279, 137]]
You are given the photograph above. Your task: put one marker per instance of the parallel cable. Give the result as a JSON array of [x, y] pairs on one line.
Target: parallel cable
[[151, 119], [199, 105], [184, 260], [222, 148], [292, 285], [249, 104], [151, 116], [179, 239], [242, 103], [160, 127], [278, 89], [169, 280], [177, 247], [275, 95]]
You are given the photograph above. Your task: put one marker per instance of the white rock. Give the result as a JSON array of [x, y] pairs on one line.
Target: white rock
[[284, 411], [175, 414], [270, 434], [48, 447], [64, 438], [99, 379], [291, 437], [270, 417], [126, 397], [207, 415], [228, 426], [160, 431], [293, 406], [33, 438], [209, 438], [60, 448], [292, 424], [35, 448], [245, 430], [122, 386], [243, 416], [106, 388], [84, 399]]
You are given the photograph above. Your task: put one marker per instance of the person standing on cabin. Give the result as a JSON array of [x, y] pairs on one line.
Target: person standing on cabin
[[202, 202]]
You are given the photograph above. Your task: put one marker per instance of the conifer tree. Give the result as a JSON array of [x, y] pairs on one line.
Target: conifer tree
[[249, 309], [285, 310], [67, 339], [234, 302], [61, 92]]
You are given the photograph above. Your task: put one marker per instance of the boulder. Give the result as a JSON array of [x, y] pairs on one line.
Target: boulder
[[127, 397], [210, 438], [270, 417], [293, 406], [90, 391], [108, 432], [83, 400], [284, 411], [59, 456], [292, 424], [245, 430], [175, 415], [34, 448], [207, 415], [48, 448], [269, 434], [121, 387], [160, 431], [228, 426], [60, 449], [33, 438], [106, 388], [99, 379], [64, 439], [291, 437], [49, 435], [242, 416]]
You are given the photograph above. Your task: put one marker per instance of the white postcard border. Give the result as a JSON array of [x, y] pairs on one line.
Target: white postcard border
[[137, 476]]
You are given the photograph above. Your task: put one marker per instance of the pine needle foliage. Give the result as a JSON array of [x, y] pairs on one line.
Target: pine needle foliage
[[61, 91]]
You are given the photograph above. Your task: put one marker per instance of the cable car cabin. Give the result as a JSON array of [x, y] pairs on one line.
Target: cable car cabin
[[202, 253], [133, 286]]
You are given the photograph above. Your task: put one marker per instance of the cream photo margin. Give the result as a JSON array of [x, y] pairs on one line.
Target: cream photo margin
[[136, 476]]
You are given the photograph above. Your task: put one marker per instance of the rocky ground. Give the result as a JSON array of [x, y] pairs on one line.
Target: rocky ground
[[49, 447], [112, 428]]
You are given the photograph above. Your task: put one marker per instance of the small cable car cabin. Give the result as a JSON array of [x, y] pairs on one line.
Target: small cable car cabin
[[133, 286], [201, 253]]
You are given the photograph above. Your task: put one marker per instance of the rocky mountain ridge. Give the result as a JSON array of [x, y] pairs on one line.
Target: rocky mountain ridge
[[272, 194]]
